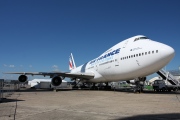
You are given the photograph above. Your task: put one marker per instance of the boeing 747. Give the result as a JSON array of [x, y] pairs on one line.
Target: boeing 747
[[132, 59]]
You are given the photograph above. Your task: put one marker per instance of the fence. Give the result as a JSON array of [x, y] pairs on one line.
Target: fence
[[1, 89], [7, 88]]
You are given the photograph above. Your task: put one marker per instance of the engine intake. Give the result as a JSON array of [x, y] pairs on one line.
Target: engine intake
[[56, 81], [22, 78]]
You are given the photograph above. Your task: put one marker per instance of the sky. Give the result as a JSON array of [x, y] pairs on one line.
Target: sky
[[39, 35]]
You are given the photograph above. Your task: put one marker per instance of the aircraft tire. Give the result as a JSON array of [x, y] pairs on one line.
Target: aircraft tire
[[135, 90]]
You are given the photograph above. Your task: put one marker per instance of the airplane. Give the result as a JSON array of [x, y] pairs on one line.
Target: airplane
[[132, 59]]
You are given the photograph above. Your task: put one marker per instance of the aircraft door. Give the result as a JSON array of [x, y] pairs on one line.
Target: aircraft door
[[107, 72], [116, 60], [96, 67]]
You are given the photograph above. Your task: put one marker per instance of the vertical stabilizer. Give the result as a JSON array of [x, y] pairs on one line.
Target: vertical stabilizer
[[72, 64]]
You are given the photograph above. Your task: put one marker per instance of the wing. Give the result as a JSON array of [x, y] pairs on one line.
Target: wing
[[86, 76]]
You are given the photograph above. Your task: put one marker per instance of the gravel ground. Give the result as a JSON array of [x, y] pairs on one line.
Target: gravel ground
[[90, 105]]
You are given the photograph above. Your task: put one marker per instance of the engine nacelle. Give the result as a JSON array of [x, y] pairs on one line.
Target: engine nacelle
[[56, 81], [22, 78], [131, 81]]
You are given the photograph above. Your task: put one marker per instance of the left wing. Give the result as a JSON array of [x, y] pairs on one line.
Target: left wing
[[86, 76]]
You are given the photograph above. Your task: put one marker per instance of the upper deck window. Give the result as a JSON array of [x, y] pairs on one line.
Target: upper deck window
[[140, 38]]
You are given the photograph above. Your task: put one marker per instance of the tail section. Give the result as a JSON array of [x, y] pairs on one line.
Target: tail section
[[72, 64]]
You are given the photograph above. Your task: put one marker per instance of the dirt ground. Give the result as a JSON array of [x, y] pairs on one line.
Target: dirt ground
[[90, 105]]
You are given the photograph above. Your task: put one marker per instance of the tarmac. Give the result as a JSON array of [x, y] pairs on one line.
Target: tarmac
[[90, 105]]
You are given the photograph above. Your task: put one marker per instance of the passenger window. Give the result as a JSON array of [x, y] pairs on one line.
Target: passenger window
[[152, 52], [139, 54], [149, 52], [142, 53], [136, 55], [131, 56], [156, 51], [145, 53]]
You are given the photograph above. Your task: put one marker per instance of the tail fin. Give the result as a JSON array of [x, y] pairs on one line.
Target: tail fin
[[72, 64]]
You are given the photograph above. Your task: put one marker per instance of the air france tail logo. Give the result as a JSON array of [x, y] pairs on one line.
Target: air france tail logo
[[71, 64]]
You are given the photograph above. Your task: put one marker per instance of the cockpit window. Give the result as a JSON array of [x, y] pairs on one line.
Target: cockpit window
[[140, 38]]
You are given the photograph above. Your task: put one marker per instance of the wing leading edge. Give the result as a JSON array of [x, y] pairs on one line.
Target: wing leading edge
[[86, 76]]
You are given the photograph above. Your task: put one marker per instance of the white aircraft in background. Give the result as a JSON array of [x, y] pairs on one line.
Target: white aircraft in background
[[35, 83], [133, 58]]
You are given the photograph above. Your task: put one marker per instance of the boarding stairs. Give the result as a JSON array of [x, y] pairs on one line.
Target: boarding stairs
[[168, 76]]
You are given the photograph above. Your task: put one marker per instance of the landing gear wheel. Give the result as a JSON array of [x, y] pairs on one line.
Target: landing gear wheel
[[163, 89], [107, 87], [75, 87], [135, 90], [175, 89]]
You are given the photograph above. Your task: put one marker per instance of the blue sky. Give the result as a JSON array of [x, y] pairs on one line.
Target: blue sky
[[39, 35]]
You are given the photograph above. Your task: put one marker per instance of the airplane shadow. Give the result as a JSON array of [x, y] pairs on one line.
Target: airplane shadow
[[131, 91], [40, 90], [151, 92], [88, 89], [7, 100], [168, 116], [166, 92]]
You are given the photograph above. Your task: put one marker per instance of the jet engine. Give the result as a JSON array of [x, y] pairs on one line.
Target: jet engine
[[22, 78], [131, 81], [56, 81], [141, 81]]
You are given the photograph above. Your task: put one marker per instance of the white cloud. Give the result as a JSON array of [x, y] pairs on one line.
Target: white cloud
[[11, 66], [55, 68], [4, 65]]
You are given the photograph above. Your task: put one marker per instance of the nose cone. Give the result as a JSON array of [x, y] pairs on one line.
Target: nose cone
[[167, 53]]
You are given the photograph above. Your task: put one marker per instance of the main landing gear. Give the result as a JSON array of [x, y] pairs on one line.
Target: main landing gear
[[139, 82], [75, 83], [107, 87], [101, 86], [94, 87]]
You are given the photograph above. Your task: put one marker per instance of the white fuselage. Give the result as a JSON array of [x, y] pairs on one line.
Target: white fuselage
[[135, 57]]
